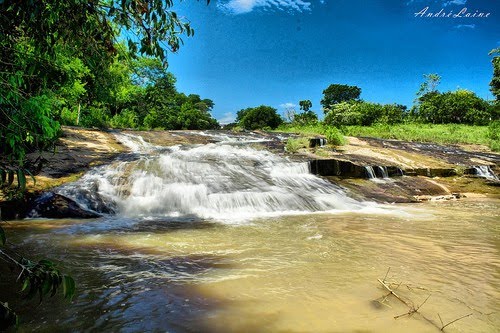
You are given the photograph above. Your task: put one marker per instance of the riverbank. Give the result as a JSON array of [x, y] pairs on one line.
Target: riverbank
[[434, 171]]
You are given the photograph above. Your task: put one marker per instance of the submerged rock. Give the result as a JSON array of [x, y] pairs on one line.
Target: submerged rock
[[53, 205]]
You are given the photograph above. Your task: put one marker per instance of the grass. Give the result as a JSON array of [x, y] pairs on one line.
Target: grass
[[442, 133], [294, 144]]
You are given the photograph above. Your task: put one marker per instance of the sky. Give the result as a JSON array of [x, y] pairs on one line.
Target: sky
[[247, 53]]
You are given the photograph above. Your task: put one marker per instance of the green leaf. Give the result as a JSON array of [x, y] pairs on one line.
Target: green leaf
[[68, 287], [31, 175], [46, 263], [21, 179], [25, 284]]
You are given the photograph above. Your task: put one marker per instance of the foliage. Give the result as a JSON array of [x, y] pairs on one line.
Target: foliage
[[94, 116], [460, 107], [338, 93], [494, 135], [258, 118], [438, 133], [306, 117], [309, 129], [364, 113], [305, 105], [294, 144], [495, 81], [429, 85], [334, 137], [37, 279]]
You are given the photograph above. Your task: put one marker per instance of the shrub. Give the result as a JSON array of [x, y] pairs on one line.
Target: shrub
[[294, 144], [125, 119], [94, 116], [305, 118], [259, 117], [334, 137]]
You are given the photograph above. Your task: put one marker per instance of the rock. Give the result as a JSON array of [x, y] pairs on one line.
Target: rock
[[317, 142], [431, 172], [53, 205], [333, 167]]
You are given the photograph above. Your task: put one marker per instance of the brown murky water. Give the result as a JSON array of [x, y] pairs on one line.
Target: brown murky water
[[308, 273]]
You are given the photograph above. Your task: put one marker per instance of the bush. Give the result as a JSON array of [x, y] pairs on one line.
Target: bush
[[94, 116], [305, 118], [125, 119], [294, 144], [334, 137], [364, 113], [69, 117], [343, 114], [259, 117], [459, 107]]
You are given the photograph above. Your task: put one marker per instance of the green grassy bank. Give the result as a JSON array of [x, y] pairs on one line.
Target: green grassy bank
[[443, 133]]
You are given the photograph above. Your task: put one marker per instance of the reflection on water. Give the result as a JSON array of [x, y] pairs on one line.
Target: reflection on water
[[308, 273]]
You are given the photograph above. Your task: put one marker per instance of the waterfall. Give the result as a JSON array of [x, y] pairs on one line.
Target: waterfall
[[383, 171], [370, 172], [222, 181], [485, 171]]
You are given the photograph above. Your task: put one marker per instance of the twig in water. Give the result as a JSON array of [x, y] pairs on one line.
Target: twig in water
[[451, 322], [394, 294], [385, 277]]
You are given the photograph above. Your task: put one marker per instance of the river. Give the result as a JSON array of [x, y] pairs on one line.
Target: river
[[228, 238]]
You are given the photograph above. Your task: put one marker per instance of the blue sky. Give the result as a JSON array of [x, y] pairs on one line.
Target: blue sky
[[276, 52]]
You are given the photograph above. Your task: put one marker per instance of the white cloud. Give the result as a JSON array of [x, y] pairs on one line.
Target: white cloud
[[288, 105], [455, 2], [227, 118], [245, 6], [465, 26]]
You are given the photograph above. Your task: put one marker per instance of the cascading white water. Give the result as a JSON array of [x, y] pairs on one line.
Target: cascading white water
[[370, 172], [213, 181], [485, 171]]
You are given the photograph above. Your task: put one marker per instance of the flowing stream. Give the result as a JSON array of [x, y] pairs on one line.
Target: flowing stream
[[227, 238]]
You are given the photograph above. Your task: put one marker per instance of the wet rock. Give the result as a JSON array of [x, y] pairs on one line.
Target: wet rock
[[333, 167], [53, 205], [431, 172], [317, 142]]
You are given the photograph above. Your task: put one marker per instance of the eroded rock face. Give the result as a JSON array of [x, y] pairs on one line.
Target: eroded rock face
[[53, 205]]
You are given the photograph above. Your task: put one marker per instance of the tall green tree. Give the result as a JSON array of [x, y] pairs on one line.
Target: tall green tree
[[34, 35], [429, 85], [495, 81], [338, 93], [305, 105]]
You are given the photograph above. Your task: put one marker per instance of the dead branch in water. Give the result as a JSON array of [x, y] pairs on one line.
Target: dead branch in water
[[411, 307], [451, 322], [394, 294]]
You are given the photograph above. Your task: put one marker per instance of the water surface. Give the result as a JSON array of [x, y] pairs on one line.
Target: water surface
[[302, 273]]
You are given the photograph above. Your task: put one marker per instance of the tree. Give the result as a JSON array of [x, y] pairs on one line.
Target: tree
[[307, 116], [460, 107], [305, 105], [495, 81], [364, 113], [259, 117], [429, 85], [33, 37], [55, 55], [338, 93]]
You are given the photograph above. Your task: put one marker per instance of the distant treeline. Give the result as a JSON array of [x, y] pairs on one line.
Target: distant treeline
[[343, 106]]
